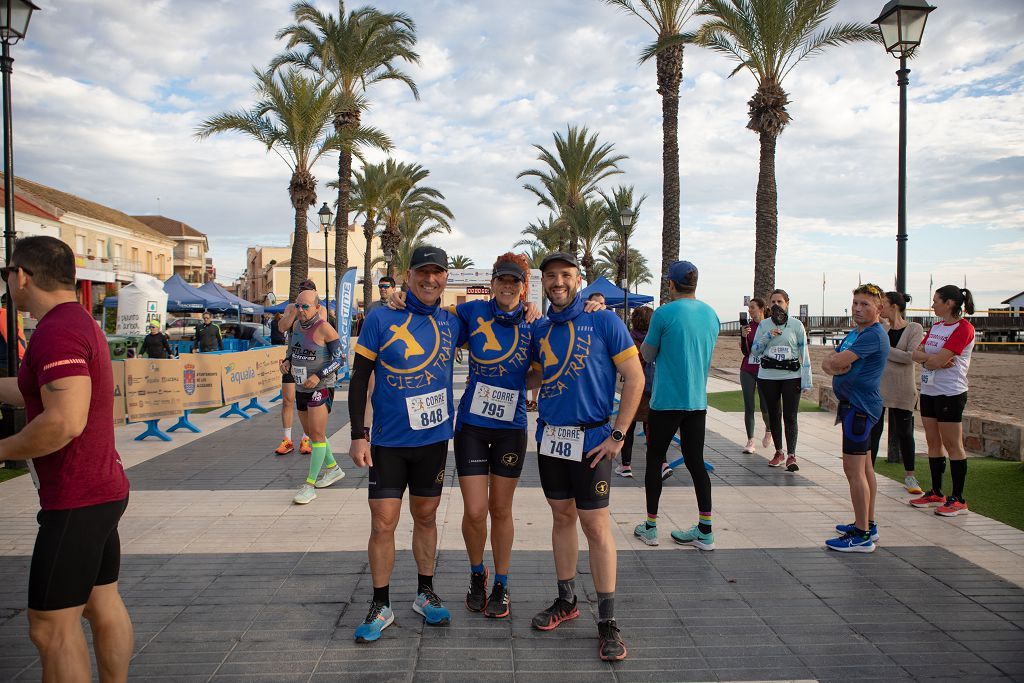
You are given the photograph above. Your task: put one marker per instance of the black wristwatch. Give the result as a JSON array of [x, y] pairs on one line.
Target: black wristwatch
[[617, 435]]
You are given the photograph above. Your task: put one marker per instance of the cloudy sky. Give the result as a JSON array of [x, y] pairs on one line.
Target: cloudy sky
[[107, 95]]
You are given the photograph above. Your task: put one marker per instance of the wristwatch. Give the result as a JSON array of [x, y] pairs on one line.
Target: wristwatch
[[617, 435]]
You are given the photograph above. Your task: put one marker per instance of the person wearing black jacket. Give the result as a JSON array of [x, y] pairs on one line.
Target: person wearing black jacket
[[156, 344], [208, 336]]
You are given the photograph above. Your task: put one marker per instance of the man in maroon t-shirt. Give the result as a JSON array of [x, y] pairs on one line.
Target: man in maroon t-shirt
[[66, 385]]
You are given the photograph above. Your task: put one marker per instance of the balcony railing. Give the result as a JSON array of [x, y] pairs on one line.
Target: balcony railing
[[123, 264]]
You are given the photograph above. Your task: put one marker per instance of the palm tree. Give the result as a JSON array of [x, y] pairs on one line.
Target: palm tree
[[290, 118], [609, 262], [459, 261], [357, 51], [535, 254], [548, 235], [589, 223], [621, 198], [769, 38], [413, 232], [371, 190], [578, 164], [408, 198], [666, 18]]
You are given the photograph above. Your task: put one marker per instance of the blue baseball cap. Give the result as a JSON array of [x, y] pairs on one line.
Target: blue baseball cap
[[683, 272]]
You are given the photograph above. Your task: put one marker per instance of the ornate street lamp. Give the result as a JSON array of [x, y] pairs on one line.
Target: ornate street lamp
[[14, 18], [902, 25], [626, 217], [326, 218]]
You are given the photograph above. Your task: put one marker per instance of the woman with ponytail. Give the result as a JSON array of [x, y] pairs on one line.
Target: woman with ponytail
[[898, 388], [945, 356]]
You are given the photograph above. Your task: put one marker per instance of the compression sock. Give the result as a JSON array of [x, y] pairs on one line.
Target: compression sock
[[502, 579], [938, 467], [316, 461], [652, 520], [424, 583], [288, 433], [382, 596], [605, 606], [567, 589], [958, 472], [477, 568], [329, 460], [704, 522]]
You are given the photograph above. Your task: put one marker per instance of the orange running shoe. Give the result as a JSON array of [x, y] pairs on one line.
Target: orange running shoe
[[285, 448], [305, 446]]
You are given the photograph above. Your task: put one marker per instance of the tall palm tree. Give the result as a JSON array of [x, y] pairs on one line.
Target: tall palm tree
[[406, 199], [769, 38], [622, 198], [548, 235], [371, 190], [589, 223], [536, 252], [666, 18], [290, 118], [572, 173], [357, 50], [610, 261], [459, 261], [414, 229]]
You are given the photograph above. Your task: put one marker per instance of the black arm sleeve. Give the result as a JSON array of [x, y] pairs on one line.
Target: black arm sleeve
[[358, 385]]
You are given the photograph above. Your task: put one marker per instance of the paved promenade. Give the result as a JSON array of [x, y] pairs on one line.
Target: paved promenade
[[227, 580]]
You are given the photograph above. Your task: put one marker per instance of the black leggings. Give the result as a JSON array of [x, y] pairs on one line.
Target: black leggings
[[787, 393], [627, 443], [663, 426], [901, 425]]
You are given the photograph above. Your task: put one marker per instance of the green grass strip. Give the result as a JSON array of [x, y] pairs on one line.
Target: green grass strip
[[732, 402]]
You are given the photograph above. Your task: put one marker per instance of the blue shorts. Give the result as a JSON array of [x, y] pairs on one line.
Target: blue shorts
[[857, 427]]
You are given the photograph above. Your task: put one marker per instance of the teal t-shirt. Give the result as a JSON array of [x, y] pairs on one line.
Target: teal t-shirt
[[684, 332]]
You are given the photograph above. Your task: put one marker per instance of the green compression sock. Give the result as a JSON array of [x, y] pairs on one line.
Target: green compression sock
[[329, 461], [316, 461]]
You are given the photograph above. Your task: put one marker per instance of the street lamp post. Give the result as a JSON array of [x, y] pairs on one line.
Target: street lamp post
[[14, 18], [326, 217], [626, 217], [902, 25]]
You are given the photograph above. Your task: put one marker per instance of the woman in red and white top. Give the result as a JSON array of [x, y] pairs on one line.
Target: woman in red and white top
[[945, 355]]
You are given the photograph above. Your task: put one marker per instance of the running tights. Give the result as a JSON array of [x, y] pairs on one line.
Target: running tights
[[627, 443], [663, 426], [748, 382], [784, 394], [901, 424]]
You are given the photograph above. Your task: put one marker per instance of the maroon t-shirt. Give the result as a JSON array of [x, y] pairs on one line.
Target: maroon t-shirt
[[87, 471], [745, 346]]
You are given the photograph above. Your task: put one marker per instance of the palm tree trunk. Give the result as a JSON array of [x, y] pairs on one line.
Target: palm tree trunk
[[341, 221], [766, 220], [670, 75], [302, 191], [368, 229]]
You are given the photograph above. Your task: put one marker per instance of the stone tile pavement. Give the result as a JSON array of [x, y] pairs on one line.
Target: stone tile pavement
[[228, 581]]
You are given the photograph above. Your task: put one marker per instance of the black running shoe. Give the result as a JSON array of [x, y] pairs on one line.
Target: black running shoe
[[476, 598], [610, 645], [560, 610], [498, 602]]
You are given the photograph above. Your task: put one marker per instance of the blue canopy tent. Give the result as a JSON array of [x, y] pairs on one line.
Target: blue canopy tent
[[213, 290], [184, 298], [614, 296]]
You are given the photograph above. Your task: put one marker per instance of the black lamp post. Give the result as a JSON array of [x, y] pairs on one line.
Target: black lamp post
[[626, 217], [326, 217], [902, 25], [14, 18]]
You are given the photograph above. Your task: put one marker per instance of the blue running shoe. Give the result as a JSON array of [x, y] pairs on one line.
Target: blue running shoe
[[849, 528], [851, 544], [695, 537], [377, 619], [431, 608]]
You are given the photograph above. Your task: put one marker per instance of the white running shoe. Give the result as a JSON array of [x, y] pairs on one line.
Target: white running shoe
[[624, 471], [330, 475], [750, 447], [306, 494], [767, 440]]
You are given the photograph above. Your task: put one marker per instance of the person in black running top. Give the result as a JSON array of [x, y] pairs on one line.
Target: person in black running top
[[578, 355], [155, 344]]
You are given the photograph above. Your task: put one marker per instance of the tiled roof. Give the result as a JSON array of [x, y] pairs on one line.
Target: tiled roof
[[169, 226]]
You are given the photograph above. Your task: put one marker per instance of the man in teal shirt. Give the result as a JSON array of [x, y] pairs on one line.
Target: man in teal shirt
[[686, 330]]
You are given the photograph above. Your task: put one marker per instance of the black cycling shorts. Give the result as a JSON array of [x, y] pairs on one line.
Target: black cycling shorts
[[75, 550], [484, 450], [567, 479], [421, 468], [857, 426], [287, 378], [319, 397], [944, 408]]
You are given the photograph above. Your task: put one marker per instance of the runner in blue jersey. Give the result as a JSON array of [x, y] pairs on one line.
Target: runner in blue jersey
[[579, 355], [410, 355]]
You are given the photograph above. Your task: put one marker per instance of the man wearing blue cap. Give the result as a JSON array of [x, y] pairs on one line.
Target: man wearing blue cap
[[686, 329]]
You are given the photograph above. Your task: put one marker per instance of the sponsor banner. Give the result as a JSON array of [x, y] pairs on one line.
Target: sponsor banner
[[268, 367], [119, 404], [200, 380], [345, 301], [238, 376], [152, 389]]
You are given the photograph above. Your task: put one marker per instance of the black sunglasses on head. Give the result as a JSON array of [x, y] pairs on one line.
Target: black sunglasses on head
[[7, 270]]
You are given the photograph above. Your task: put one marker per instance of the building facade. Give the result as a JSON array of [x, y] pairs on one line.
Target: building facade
[[190, 247]]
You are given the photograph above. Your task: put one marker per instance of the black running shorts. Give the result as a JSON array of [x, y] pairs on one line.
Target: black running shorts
[[421, 468], [320, 397], [287, 378], [944, 408], [566, 479], [483, 451], [75, 550], [857, 426]]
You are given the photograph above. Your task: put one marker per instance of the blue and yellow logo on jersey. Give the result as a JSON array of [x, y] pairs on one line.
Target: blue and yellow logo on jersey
[[417, 359], [560, 370], [495, 350]]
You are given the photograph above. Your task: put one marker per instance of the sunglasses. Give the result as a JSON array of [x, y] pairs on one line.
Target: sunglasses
[[385, 286], [303, 307], [6, 271]]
